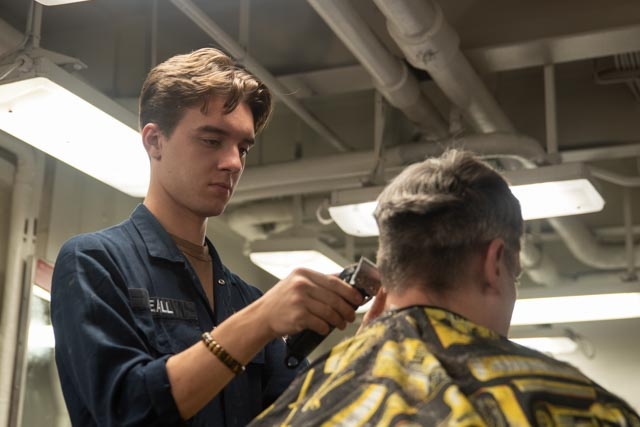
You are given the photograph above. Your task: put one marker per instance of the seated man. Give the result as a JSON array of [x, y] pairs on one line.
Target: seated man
[[448, 256]]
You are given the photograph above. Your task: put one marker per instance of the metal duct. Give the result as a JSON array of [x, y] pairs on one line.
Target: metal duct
[[430, 43], [391, 76]]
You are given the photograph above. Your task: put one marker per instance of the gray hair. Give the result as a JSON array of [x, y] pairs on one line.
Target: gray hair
[[438, 212]]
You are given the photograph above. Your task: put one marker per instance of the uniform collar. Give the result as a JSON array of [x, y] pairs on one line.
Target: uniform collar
[[158, 242]]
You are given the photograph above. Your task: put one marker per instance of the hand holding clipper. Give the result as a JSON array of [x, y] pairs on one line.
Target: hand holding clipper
[[363, 276]]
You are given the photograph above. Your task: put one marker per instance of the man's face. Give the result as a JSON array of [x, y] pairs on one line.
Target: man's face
[[202, 160]]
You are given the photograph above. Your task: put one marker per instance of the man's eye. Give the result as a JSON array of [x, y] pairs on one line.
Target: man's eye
[[210, 141], [243, 151]]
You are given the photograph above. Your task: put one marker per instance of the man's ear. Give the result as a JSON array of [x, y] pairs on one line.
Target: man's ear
[[494, 266], [152, 140]]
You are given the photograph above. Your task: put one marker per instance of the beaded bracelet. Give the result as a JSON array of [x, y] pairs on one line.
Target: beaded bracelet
[[215, 348]]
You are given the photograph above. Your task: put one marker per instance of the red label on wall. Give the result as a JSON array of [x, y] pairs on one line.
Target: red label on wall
[[43, 275]]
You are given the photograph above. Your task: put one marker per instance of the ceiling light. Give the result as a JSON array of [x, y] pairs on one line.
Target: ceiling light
[[41, 336], [352, 210], [553, 191], [544, 192], [57, 2], [41, 293], [280, 256], [576, 308], [356, 219], [55, 112]]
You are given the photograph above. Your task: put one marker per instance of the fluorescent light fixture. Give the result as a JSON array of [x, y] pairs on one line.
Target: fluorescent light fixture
[[545, 192], [41, 293], [41, 336], [352, 210], [553, 191], [576, 308], [55, 112], [280, 256], [57, 2], [356, 219]]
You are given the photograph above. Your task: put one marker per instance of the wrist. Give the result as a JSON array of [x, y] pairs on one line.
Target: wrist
[[258, 316]]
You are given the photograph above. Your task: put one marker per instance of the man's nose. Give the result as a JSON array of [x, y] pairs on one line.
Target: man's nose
[[231, 160]]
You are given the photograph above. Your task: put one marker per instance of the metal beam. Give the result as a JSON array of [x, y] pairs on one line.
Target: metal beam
[[555, 50], [239, 53]]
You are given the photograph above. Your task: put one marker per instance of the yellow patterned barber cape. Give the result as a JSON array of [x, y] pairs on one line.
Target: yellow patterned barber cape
[[424, 366]]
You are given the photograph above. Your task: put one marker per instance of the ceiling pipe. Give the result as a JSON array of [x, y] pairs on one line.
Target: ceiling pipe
[[349, 170], [391, 76], [429, 42], [539, 266], [587, 249], [27, 185], [612, 150], [240, 54], [583, 243], [615, 178]]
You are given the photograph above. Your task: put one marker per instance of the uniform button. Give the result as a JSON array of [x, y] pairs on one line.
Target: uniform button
[[221, 281]]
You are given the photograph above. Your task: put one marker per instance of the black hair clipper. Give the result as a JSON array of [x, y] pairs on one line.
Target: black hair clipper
[[364, 277]]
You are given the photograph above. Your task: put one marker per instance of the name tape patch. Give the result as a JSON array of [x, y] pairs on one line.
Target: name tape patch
[[167, 308]]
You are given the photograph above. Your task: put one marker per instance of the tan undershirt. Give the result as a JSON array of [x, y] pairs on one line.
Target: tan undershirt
[[200, 260]]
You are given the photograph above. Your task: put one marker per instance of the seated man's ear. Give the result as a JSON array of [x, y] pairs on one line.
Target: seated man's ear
[[152, 140], [494, 262]]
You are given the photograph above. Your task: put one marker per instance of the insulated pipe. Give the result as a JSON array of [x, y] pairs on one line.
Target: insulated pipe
[[430, 43], [615, 178], [606, 152], [583, 244], [391, 76], [239, 53], [539, 266], [348, 170], [586, 249], [24, 208]]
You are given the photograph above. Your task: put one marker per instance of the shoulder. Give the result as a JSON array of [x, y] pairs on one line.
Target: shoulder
[[108, 238]]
